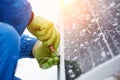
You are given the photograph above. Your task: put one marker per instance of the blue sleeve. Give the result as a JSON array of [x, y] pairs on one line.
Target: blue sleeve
[[27, 44], [16, 13], [16, 78]]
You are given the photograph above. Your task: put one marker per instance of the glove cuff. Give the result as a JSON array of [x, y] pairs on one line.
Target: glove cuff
[[39, 50]]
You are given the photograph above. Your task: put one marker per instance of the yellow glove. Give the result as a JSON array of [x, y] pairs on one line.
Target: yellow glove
[[45, 31], [44, 56]]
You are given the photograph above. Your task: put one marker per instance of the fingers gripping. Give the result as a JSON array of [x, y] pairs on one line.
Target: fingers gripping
[[38, 24], [47, 36], [51, 40], [49, 63], [45, 31]]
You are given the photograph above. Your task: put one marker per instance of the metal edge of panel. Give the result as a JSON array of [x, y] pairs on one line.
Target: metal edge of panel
[[61, 66], [102, 71]]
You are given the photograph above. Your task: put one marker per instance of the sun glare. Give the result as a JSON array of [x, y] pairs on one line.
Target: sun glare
[[67, 2], [46, 8]]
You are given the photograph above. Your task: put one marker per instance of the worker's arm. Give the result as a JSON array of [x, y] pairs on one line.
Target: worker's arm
[[26, 46], [48, 36]]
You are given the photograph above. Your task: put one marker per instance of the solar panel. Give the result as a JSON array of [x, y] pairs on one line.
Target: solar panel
[[91, 32]]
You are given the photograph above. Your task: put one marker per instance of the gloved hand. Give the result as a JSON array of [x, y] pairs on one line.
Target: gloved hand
[[45, 31], [44, 56]]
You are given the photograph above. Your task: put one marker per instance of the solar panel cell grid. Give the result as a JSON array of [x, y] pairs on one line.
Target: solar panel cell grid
[[92, 32]]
